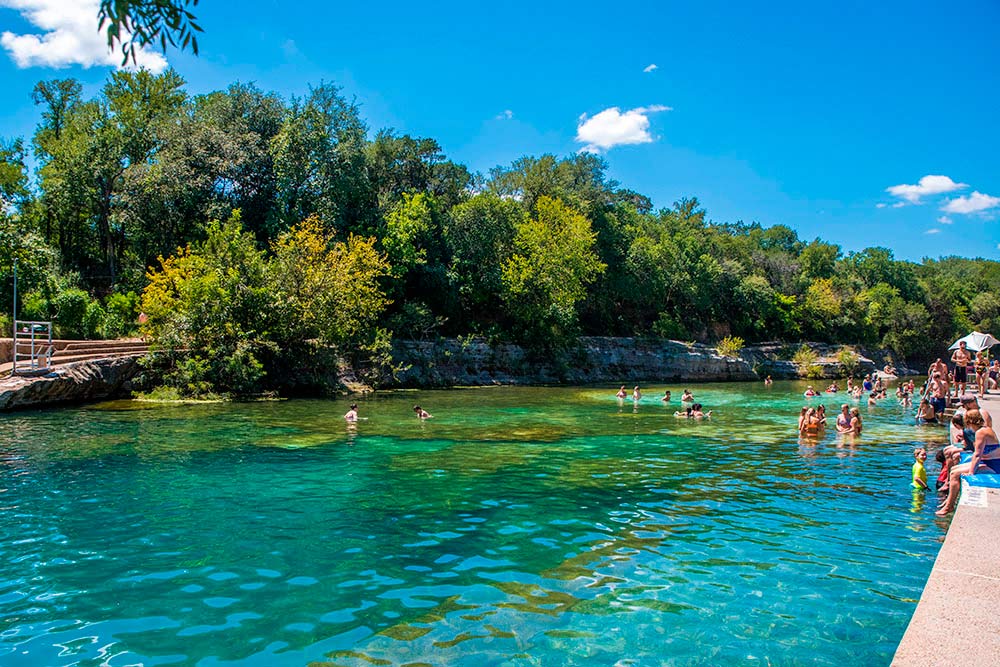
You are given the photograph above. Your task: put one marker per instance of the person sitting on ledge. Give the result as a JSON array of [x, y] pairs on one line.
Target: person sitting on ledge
[[985, 458]]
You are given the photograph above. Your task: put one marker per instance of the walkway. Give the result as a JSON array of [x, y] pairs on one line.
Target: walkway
[[956, 621]]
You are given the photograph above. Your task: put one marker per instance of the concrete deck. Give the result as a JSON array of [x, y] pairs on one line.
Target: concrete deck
[[956, 621]]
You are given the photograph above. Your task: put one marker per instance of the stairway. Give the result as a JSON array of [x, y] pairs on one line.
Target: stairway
[[69, 351]]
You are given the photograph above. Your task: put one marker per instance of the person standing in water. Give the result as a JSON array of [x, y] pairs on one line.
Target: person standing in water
[[352, 414], [420, 412], [636, 393], [666, 396]]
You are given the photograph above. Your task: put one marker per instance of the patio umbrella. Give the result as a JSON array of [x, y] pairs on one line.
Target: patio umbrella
[[976, 341]]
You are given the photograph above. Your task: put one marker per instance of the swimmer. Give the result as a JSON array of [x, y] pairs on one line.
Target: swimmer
[[686, 414], [696, 412], [810, 392], [666, 396], [856, 421], [636, 393], [768, 381], [352, 414], [844, 419], [621, 392], [420, 412], [687, 397]]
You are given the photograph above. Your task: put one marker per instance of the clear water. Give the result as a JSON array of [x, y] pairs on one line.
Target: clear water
[[520, 526]]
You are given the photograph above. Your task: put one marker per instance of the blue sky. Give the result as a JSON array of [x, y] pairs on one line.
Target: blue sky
[[803, 114]]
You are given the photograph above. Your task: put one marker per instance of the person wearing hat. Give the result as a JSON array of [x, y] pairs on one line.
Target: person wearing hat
[[970, 402]]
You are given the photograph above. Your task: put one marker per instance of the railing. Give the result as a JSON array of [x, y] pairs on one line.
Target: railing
[[32, 346]]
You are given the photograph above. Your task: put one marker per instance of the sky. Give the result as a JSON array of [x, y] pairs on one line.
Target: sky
[[861, 123]]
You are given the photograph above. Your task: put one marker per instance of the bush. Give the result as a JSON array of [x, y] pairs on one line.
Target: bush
[[730, 346], [804, 358], [34, 306], [71, 309], [5, 325], [122, 313], [93, 320], [848, 360], [669, 327]]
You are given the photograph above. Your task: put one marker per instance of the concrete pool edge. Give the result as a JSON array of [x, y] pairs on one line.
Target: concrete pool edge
[[956, 620]]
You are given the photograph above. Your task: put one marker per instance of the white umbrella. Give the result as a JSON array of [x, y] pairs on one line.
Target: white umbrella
[[976, 341]]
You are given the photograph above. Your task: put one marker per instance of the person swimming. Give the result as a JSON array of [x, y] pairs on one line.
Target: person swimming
[[810, 392], [666, 396], [352, 414], [420, 412], [687, 397]]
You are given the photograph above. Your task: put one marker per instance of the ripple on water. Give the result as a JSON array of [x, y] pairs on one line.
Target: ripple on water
[[520, 526]]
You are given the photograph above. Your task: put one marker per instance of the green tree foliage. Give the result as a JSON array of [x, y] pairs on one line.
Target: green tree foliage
[[552, 264], [339, 237]]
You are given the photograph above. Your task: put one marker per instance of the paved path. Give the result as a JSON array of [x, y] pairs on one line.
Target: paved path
[[957, 621]]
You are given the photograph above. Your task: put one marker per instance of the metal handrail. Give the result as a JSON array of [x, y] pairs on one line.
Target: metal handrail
[[29, 333]]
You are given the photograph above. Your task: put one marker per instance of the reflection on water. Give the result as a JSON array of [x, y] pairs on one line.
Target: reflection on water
[[518, 527]]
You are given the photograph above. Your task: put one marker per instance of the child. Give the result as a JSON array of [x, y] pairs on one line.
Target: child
[[919, 472], [942, 481]]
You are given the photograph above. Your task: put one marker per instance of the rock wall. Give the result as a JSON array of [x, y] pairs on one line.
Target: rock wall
[[73, 383], [450, 362]]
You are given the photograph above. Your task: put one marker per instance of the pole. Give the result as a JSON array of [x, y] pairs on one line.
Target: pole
[[13, 323]]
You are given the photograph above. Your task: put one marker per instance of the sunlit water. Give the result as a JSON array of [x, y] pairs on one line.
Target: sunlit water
[[519, 526]]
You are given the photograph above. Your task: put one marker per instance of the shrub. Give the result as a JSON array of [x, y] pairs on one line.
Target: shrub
[[122, 312], [669, 327], [848, 360], [71, 309], [5, 325], [730, 346], [93, 320], [804, 358]]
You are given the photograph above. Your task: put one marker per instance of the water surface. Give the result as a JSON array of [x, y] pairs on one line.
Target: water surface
[[519, 526]]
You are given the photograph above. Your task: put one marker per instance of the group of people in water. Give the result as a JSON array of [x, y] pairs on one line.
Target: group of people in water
[[690, 409]]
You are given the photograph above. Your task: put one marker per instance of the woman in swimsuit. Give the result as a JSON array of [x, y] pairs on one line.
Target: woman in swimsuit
[[844, 419], [636, 393], [982, 372], [986, 455], [856, 421], [802, 417], [621, 392]]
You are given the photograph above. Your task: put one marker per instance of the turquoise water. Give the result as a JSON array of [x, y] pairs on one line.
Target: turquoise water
[[520, 526]]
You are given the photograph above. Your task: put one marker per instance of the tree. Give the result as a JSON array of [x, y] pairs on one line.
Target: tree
[[479, 235], [319, 163], [209, 309], [144, 22], [547, 275]]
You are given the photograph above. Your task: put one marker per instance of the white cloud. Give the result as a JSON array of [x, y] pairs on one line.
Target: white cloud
[[506, 114], [974, 203], [70, 36], [928, 185], [933, 230], [611, 128], [881, 205], [944, 220], [899, 204], [649, 68]]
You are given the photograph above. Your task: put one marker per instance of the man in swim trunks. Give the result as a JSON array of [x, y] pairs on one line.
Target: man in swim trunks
[[938, 390], [961, 359], [939, 367]]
